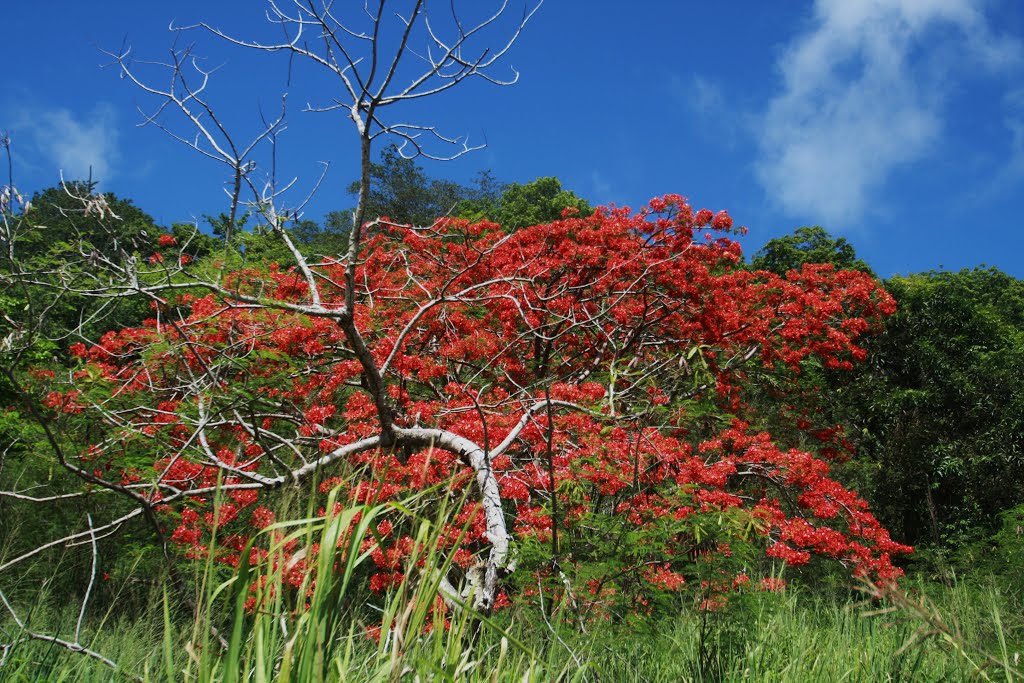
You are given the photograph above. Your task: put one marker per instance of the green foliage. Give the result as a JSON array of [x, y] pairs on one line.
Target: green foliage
[[940, 406], [402, 191], [194, 242], [518, 206], [1003, 554], [331, 239], [61, 221], [62, 236], [807, 245], [937, 411]]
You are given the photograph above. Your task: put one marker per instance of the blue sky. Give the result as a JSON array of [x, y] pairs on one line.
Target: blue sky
[[898, 124]]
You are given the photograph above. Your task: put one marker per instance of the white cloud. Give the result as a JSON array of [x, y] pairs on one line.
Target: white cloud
[[862, 94], [73, 144]]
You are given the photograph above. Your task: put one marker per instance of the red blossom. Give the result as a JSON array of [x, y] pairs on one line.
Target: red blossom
[[635, 325], [722, 221]]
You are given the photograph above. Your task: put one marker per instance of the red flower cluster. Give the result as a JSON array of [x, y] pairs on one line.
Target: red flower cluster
[[600, 353]]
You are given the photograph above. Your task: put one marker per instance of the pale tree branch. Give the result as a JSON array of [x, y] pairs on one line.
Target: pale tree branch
[[75, 645], [371, 54]]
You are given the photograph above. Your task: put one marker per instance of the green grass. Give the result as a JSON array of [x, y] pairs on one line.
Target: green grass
[[802, 638], [965, 632]]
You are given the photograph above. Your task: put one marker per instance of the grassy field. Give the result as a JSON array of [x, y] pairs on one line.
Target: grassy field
[[964, 631], [785, 638]]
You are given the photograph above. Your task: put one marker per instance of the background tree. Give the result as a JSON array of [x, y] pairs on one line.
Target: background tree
[[807, 245], [938, 407], [934, 414], [61, 228], [518, 206], [402, 191]]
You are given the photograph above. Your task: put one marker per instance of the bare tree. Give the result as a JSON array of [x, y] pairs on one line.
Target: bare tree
[[383, 55]]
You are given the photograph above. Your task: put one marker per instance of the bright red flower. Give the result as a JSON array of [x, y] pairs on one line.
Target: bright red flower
[[640, 332]]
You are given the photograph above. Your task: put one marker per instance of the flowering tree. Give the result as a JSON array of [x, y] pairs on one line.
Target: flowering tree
[[590, 376], [557, 367]]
